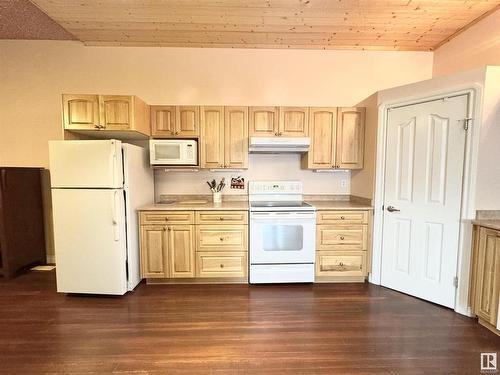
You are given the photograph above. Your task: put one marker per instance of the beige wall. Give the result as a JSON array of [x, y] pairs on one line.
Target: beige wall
[[475, 47], [35, 73]]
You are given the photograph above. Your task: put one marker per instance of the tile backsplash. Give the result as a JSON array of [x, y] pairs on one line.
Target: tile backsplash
[[261, 167]]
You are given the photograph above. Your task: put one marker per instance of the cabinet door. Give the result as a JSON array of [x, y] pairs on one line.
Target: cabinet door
[[212, 137], [163, 122], [181, 250], [187, 121], [263, 121], [154, 262], [236, 137], [322, 130], [80, 111], [350, 138], [488, 275], [293, 122], [117, 112]]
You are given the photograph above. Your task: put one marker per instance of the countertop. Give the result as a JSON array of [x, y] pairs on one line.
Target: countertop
[[243, 206], [492, 224], [338, 205], [209, 206]]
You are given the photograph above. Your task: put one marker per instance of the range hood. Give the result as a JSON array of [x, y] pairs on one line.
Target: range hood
[[275, 145]]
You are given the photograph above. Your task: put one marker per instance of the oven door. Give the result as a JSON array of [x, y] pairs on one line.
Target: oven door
[[282, 237]]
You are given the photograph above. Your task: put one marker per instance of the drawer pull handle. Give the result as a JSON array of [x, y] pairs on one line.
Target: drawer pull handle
[[342, 218], [342, 238]]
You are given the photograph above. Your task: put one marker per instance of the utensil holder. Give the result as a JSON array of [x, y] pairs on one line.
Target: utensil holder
[[217, 197]]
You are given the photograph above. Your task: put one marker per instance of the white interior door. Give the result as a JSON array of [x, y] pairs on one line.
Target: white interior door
[[90, 240], [423, 181]]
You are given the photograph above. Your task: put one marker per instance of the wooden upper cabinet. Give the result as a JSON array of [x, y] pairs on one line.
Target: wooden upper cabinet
[[163, 122], [322, 130], [236, 137], [487, 275], [154, 260], [181, 251], [80, 111], [123, 114], [175, 122], [293, 122], [263, 121], [188, 121], [350, 138], [117, 112], [212, 137]]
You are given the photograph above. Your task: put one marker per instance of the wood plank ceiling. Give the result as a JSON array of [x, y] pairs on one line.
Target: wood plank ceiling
[[420, 25]]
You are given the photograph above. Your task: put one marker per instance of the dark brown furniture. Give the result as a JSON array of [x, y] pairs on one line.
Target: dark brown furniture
[[22, 241]]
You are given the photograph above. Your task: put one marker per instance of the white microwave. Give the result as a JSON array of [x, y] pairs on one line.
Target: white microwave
[[173, 152]]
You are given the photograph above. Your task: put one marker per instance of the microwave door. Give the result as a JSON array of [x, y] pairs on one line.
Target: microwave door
[[168, 153]]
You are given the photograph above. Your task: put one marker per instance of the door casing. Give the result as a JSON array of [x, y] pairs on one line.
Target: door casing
[[468, 206]]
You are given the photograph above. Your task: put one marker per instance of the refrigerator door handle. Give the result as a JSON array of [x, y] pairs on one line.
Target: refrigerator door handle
[[116, 230], [113, 161]]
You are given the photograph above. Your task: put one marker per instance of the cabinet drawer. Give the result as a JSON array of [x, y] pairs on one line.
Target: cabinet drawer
[[221, 264], [167, 217], [219, 217], [338, 237], [333, 263], [342, 217], [222, 237]]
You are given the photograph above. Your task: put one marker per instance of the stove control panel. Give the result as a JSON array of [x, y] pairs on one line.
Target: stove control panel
[[275, 187]]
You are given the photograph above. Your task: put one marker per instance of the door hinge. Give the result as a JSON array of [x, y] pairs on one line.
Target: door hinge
[[455, 282], [466, 122]]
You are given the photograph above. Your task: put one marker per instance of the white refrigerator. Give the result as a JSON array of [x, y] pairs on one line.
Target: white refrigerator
[[97, 185]]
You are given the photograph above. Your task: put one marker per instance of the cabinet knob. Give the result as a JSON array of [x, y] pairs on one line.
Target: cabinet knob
[[221, 266], [280, 134], [342, 218], [166, 219], [342, 238], [221, 218], [169, 229], [176, 133], [276, 134], [222, 238], [341, 264]]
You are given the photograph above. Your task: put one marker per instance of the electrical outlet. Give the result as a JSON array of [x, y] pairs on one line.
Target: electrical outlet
[[343, 183]]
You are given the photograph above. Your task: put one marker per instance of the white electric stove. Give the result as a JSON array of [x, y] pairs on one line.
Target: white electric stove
[[282, 233]]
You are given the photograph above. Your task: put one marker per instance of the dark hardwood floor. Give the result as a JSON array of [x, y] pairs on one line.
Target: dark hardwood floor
[[233, 329]]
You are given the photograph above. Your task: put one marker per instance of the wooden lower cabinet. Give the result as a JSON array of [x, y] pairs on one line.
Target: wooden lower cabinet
[[167, 251], [342, 245], [485, 280], [181, 250], [341, 263], [221, 264], [191, 246]]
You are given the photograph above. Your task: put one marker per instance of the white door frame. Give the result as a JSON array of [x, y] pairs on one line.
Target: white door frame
[[468, 206]]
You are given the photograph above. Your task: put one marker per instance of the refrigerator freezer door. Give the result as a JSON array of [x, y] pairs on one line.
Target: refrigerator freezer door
[[139, 191], [90, 240], [86, 164]]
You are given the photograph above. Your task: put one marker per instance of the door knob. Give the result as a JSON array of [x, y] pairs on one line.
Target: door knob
[[392, 209]]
